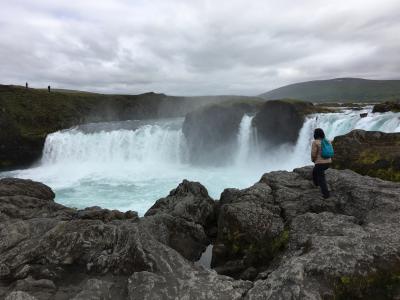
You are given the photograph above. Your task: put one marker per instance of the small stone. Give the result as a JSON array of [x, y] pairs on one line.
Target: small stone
[[249, 274], [4, 271], [18, 295], [23, 272]]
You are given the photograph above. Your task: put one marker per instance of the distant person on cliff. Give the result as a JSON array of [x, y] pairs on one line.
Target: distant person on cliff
[[48, 88], [26, 85], [321, 155]]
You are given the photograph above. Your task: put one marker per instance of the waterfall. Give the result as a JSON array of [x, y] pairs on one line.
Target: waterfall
[[147, 144], [129, 165], [244, 139], [335, 124], [253, 155], [163, 144], [302, 149]]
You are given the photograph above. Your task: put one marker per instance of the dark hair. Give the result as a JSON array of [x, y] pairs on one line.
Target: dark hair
[[319, 134]]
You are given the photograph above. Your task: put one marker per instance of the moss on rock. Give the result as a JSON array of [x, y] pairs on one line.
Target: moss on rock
[[371, 153], [378, 285], [254, 252]]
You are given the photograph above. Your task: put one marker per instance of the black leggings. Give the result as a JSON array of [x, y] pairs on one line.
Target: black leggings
[[319, 178]]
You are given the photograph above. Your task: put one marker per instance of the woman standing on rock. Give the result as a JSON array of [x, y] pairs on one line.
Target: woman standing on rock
[[321, 153]]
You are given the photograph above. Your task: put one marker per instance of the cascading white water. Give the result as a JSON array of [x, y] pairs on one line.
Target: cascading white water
[[127, 166], [301, 152], [287, 157], [335, 124], [244, 141], [148, 144]]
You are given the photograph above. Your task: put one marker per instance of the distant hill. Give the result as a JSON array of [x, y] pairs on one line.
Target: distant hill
[[339, 90]]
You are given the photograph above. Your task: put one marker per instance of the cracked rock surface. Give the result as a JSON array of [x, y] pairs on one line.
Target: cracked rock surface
[[278, 239]]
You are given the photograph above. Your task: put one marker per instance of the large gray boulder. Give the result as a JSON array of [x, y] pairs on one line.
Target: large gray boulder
[[48, 251], [370, 153], [184, 219], [346, 247], [250, 231], [188, 238], [190, 200], [185, 282], [386, 106], [295, 193]]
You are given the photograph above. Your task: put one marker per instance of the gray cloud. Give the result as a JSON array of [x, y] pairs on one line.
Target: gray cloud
[[196, 47]]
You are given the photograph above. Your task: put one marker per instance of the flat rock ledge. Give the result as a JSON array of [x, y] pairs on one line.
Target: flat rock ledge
[[275, 240]]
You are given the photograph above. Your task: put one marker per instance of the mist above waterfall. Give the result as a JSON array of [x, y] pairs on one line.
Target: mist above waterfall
[[129, 165]]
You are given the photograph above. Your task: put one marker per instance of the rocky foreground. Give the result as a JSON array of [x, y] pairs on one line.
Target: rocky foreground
[[276, 240]]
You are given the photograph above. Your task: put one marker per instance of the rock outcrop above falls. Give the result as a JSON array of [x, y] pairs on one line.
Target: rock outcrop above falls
[[370, 153], [279, 121], [278, 239], [211, 132], [393, 106]]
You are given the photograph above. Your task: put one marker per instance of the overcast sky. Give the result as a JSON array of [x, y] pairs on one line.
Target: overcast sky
[[190, 47]]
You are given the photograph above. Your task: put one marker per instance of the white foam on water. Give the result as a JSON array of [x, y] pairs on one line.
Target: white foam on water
[[244, 139], [131, 168]]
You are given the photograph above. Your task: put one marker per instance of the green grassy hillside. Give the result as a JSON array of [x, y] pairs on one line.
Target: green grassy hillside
[[339, 90]]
